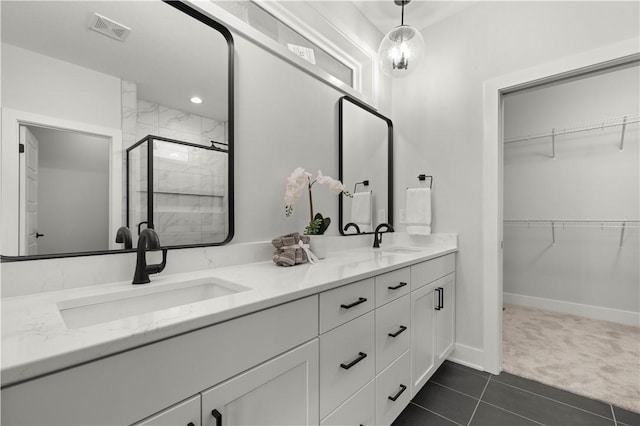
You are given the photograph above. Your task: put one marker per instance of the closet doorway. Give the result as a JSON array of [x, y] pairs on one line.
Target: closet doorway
[[571, 209]]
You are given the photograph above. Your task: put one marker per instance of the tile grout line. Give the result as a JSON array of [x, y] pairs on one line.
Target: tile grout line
[[479, 399], [555, 400], [613, 414], [433, 412], [456, 390], [514, 413]]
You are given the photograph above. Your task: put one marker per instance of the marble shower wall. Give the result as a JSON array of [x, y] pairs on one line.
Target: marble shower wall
[[190, 190]]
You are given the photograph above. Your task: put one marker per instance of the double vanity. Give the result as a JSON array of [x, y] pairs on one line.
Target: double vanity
[[348, 340]]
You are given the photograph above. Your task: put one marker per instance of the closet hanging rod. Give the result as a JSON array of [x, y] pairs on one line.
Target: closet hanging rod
[[579, 222], [599, 125]]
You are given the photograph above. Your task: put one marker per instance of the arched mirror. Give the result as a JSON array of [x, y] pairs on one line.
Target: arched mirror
[[365, 167], [116, 116]]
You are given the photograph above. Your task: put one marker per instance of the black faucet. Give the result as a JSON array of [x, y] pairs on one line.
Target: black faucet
[[124, 236], [377, 237], [351, 224], [148, 239]]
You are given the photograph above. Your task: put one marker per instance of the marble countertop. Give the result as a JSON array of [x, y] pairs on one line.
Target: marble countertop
[[36, 340]]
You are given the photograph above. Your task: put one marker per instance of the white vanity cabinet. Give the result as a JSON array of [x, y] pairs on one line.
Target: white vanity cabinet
[[283, 391], [432, 317], [131, 386], [186, 413]]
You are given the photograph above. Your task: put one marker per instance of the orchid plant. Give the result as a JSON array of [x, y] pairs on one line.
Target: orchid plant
[[296, 183]]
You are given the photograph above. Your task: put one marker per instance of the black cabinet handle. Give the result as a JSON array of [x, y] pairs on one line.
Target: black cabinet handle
[[216, 414], [395, 287], [438, 305], [397, 333], [361, 356], [441, 297], [360, 300], [396, 396], [191, 424], [38, 235]]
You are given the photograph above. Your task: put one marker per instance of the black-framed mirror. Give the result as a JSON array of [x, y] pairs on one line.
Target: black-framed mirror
[[365, 167], [82, 83]]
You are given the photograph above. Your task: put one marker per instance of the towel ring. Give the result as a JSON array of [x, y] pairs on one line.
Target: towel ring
[[423, 177], [364, 182]]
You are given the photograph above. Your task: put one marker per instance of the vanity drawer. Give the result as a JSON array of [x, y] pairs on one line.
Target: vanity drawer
[[345, 303], [392, 390], [393, 335], [429, 271], [184, 413], [392, 285], [347, 361], [357, 410]]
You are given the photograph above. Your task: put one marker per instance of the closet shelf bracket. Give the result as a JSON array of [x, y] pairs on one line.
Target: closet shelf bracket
[[624, 225], [624, 127]]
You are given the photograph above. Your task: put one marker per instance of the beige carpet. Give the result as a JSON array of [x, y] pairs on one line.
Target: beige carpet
[[597, 359]]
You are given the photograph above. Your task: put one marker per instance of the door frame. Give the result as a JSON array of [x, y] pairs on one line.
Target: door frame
[[12, 119], [492, 172]]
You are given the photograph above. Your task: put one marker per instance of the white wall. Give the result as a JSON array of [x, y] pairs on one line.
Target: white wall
[[437, 113], [590, 178], [36, 83]]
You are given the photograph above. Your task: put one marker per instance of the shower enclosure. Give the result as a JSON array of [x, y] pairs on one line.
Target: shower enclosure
[[179, 189]]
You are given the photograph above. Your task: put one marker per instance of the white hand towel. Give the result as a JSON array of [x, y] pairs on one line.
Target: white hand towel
[[361, 210], [418, 211]]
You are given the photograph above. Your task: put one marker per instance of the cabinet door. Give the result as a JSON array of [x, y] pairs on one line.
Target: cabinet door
[[422, 323], [186, 413], [283, 391], [445, 317]]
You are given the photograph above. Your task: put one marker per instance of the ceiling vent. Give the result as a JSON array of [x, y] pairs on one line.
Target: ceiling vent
[[109, 27]]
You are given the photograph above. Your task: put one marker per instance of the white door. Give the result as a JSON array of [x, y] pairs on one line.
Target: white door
[[445, 317], [422, 353], [28, 193], [283, 391]]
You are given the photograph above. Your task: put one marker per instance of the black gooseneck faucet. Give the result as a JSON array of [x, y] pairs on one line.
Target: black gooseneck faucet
[[352, 225], [148, 240], [124, 236], [377, 237]]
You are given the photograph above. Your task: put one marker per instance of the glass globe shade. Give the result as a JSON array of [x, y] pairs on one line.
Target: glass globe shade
[[400, 51]]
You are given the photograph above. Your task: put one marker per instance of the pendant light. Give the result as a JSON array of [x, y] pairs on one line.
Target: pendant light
[[401, 49]]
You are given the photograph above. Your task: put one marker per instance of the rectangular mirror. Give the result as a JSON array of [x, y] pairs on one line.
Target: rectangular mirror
[[83, 82], [365, 167]]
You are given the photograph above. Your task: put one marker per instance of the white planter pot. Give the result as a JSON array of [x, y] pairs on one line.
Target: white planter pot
[[318, 245]]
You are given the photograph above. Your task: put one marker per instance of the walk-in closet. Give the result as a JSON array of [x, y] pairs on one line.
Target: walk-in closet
[[571, 197]]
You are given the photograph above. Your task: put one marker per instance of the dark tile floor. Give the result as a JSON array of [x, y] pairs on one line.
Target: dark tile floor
[[458, 395]]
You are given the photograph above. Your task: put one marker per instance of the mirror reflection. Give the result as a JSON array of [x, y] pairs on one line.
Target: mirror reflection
[[366, 150], [114, 115]]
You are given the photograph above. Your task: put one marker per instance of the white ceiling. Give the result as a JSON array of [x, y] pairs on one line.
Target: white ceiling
[[385, 15]]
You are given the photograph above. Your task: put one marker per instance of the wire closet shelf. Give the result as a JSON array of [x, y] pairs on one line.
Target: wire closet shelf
[[622, 121], [575, 223]]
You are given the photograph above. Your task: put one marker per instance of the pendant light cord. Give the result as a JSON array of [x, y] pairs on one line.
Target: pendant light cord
[[402, 17]]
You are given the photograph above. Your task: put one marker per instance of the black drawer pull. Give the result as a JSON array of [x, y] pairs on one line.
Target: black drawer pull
[[218, 416], [191, 424], [438, 290], [395, 287], [397, 333], [396, 396], [361, 356], [360, 300]]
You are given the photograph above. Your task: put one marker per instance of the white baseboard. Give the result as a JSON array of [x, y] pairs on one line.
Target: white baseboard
[[467, 356], [588, 311]]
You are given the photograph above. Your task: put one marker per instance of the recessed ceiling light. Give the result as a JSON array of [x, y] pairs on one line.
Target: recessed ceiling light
[[196, 100]]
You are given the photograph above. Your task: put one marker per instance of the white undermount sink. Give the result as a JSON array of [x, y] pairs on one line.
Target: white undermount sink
[[402, 250], [91, 310]]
